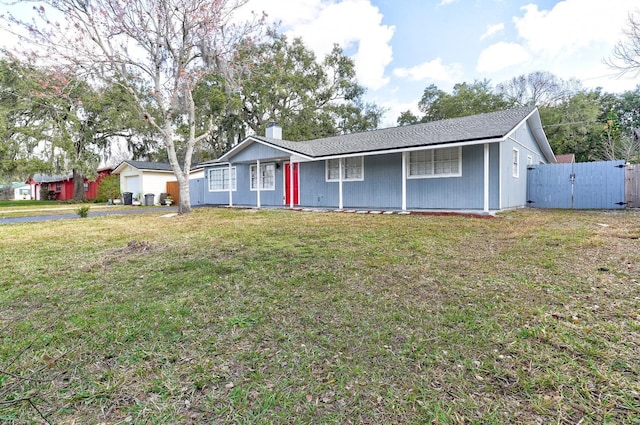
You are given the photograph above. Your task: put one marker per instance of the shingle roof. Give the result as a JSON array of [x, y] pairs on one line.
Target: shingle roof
[[476, 127], [149, 165]]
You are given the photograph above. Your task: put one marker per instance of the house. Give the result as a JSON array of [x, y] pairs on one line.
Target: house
[[567, 158], [476, 163], [146, 177], [60, 187], [21, 191]]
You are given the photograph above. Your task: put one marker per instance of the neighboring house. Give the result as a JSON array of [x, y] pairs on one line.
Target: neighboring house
[[471, 163], [21, 191], [60, 187], [567, 158], [146, 177]]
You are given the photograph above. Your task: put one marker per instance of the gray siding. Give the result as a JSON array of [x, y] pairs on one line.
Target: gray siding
[[381, 187], [514, 189], [257, 151]]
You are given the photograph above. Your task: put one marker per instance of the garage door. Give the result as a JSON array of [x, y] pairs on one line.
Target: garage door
[[132, 184]]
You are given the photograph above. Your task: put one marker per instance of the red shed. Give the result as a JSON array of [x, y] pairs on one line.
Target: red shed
[[60, 188]]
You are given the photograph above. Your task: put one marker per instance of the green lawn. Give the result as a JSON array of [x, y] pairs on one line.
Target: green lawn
[[231, 316]]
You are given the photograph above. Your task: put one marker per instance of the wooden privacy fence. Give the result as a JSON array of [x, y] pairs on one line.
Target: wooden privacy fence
[[632, 186], [173, 189], [582, 185]]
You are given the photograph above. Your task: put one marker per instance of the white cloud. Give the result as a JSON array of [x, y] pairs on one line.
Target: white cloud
[[352, 24], [501, 55], [433, 70], [446, 2], [492, 30], [572, 25]]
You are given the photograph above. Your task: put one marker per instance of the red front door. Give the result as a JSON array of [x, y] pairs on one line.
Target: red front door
[[287, 184]]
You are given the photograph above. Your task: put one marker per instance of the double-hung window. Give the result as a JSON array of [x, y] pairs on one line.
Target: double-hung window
[[267, 177], [352, 169], [220, 180], [444, 162]]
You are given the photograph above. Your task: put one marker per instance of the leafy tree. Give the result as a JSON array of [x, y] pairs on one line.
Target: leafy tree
[[160, 47], [407, 118], [21, 117], [573, 126], [465, 99], [309, 99]]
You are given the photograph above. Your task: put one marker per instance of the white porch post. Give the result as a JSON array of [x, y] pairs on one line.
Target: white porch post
[[291, 203], [340, 203], [486, 177], [230, 186], [404, 181], [258, 183]]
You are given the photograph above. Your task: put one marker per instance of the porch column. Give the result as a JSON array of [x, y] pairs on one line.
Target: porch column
[[340, 203], [486, 177], [291, 182], [404, 181], [258, 183], [230, 186]]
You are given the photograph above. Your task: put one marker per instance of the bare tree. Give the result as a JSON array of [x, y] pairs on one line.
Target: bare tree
[[538, 88], [626, 54], [157, 49]]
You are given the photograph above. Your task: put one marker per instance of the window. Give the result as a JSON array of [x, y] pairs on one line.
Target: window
[[58, 187], [219, 180], [445, 162], [86, 187], [516, 162], [352, 169], [267, 177]]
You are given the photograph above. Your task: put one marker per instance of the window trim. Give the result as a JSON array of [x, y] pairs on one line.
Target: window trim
[[515, 163], [434, 176], [234, 179], [262, 166], [344, 167]]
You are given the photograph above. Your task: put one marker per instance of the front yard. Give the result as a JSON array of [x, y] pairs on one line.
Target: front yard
[[231, 316]]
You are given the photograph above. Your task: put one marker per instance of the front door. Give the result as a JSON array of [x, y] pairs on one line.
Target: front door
[[287, 184]]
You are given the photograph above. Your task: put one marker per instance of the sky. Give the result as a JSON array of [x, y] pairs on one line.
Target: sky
[[402, 46]]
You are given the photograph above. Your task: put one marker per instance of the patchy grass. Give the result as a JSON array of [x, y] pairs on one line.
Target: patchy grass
[[226, 316]]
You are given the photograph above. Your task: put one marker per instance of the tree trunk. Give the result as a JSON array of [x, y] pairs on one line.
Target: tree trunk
[[185, 202], [78, 187]]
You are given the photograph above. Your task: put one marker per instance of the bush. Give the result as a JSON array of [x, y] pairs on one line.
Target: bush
[[83, 211], [109, 188]]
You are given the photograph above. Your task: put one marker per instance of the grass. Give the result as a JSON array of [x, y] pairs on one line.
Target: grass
[[230, 316]]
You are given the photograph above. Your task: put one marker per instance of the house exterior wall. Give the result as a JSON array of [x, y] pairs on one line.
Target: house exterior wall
[[381, 187], [257, 151], [514, 189]]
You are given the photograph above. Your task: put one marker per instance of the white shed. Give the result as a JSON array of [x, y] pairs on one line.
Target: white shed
[[144, 177]]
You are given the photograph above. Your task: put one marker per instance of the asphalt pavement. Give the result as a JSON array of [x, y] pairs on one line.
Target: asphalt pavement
[[73, 215]]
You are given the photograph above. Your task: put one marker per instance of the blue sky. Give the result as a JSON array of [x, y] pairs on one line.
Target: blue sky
[[402, 46]]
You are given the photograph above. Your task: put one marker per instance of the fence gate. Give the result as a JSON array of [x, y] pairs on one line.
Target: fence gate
[[582, 185], [632, 186]]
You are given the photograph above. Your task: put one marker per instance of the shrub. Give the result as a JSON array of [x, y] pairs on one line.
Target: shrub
[[83, 211], [109, 188]]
